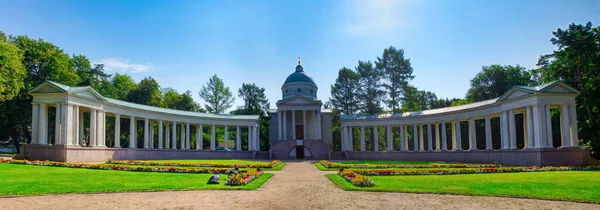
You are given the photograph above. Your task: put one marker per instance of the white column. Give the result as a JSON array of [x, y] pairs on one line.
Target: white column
[[199, 138], [75, 137], [403, 141], [319, 133], [565, 126], [294, 124], [132, 132], [160, 134], [279, 123], [212, 138], [81, 128], [146, 132], [390, 145], [375, 139], [304, 125], [182, 137], [285, 133], [429, 138], [43, 124], [421, 139], [187, 136], [512, 129], [167, 136], [437, 137], [57, 120], [530, 143], [174, 136], [573, 125], [472, 136], [226, 138], [362, 138], [549, 142], [488, 133], [504, 130], [314, 124], [35, 117], [250, 138], [350, 139], [66, 124], [458, 141], [93, 132], [444, 137], [415, 138], [117, 131], [539, 127], [151, 136], [238, 139], [101, 139]]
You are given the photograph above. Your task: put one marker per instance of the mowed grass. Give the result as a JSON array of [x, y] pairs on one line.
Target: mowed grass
[[226, 161], [32, 180], [582, 186]]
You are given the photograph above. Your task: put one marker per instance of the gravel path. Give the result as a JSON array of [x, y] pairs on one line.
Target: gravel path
[[298, 186]]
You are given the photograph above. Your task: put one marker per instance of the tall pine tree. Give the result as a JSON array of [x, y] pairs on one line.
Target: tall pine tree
[[396, 71], [370, 93], [344, 91]]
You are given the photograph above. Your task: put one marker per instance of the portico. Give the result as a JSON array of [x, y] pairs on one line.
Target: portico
[[153, 132]]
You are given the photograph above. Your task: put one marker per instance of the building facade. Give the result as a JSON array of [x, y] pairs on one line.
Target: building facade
[[153, 132], [436, 135], [300, 128]]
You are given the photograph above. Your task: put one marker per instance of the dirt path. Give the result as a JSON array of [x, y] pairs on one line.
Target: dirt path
[[299, 186]]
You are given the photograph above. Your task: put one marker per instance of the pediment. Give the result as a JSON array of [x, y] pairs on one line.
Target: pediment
[[298, 100], [559, 87], [516, 94], [47, 88]]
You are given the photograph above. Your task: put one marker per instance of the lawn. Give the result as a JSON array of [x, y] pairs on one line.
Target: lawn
[[31, 180], [376, 162], [579, 186], [227, 161]]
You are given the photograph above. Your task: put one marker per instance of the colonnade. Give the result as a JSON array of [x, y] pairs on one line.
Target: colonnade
[[69, 129], [314, 125], [537, 124]]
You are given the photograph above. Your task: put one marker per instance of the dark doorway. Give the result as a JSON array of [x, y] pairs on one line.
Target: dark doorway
[[299, 132], [300, 152]]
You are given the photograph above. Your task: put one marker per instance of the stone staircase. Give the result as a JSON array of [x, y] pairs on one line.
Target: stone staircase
[[318, 150]]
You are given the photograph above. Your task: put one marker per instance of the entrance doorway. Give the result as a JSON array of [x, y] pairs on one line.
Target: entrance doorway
[[299, 132], [300, 152]]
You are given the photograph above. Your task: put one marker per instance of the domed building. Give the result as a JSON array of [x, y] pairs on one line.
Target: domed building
[[299, 127]]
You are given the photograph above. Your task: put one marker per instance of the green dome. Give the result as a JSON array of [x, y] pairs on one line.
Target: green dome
[[299, 76]]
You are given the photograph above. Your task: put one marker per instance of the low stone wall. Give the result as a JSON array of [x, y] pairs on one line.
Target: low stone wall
[[96, 154], [533, 157]]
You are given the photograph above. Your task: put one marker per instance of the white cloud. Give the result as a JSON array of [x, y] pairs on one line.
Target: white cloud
[[123, 65], [366, 17]]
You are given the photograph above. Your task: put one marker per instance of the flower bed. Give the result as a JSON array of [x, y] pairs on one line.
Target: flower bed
[[387, 172], [328, 164], [243, 178], [218, 165], [357, 179], [123, 168]]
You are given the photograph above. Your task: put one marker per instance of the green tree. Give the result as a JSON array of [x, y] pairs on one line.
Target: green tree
[[118, 87], [217, 97], [397, 71], [147, 92], [184, 101], [12, 71], [370, 93], [577, 63], [255, 100], [495, 80], [344, 92]]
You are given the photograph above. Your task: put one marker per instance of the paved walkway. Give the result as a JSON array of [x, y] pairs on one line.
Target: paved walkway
[[299, 186]]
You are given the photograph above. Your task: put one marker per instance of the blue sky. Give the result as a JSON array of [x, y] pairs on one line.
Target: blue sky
[[182, 43]]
